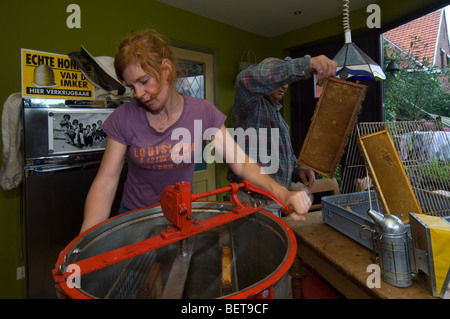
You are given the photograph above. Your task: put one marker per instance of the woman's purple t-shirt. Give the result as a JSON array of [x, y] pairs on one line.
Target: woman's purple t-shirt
[[151, 166]]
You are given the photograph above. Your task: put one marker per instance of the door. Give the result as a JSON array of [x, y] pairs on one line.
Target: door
[[198, 82]]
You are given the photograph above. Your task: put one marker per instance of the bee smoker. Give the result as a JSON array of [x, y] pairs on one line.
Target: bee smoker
[[393, 246]]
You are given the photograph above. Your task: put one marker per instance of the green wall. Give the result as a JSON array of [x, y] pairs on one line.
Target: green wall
[[41, 25]]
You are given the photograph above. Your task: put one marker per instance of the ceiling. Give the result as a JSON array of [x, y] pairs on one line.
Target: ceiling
[[268, 18]]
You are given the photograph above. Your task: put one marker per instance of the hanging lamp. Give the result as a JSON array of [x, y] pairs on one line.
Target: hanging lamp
[[351, 61]]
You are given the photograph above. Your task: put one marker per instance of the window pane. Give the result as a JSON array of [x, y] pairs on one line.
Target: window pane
[[193, 84]]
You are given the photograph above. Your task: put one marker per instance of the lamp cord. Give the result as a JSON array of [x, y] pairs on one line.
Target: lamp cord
[[346, 14]]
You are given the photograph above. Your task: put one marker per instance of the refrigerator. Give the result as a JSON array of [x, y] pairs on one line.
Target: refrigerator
[[63, 146]]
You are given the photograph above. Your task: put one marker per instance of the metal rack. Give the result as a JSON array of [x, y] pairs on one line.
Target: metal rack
[[425, 155]]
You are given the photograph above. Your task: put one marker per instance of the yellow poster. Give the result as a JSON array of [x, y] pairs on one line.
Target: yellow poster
[[49, 75]]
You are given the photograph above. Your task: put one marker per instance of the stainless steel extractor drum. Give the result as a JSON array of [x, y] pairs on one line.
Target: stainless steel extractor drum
[[134, 255]]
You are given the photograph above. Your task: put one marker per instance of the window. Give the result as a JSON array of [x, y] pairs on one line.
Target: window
[[193, 83]]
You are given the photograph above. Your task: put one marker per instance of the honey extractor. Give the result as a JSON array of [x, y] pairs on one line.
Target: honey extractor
[[184, 248]]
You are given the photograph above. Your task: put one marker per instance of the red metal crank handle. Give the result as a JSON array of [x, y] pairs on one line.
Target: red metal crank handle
[[231, 188], [256, 189], [247, 186]]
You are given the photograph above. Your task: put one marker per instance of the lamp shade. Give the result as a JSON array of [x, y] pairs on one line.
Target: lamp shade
[[352, 62], [392, 66]]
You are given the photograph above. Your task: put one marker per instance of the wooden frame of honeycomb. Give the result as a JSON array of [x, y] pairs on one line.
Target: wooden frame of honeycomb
[[335, 116]]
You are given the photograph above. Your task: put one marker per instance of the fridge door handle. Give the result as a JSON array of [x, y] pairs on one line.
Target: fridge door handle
[[56, 168]]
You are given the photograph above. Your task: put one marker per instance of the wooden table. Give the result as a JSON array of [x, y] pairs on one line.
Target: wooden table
[[343, 262]]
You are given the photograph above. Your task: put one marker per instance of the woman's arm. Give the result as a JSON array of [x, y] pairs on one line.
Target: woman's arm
[[241, 165], [103, 189]]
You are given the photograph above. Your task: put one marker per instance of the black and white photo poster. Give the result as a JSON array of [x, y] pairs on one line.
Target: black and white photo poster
[[76, 130]]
